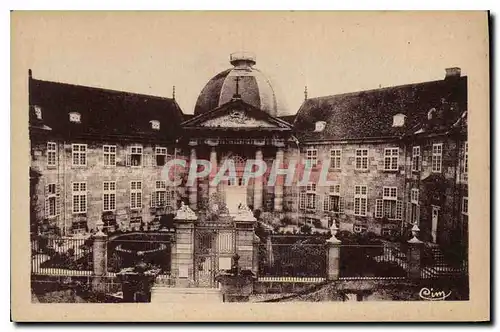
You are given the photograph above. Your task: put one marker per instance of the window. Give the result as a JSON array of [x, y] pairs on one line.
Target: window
[[52, 200], [302, 200], [311, 196], [333, 202], [391, 156], [360, 200], [388, 232], [335, 157], [311, 221], [155, 124], [319, 126], [362, 159], [465, 206], [359, 228], [136, 195], [465, 162], [307, 197], [75, 117], [51, 153], [437, 157], [159, 198], [134, 157], [79, 153], [398, 120], [109, 196], [312, 157], [413, 208], [415, 159], [389, 206], [109, 155], [38, 112], [79, 197], [161, 156], [414, 195]]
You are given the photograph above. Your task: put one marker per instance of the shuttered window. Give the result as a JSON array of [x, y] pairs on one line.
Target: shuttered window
[[52, 200]]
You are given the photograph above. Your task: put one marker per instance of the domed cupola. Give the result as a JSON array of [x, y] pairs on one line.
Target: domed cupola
[[243, 80]]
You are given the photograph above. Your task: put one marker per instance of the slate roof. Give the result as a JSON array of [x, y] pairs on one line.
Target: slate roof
[[369, 114], [103, 112], [288, 118]]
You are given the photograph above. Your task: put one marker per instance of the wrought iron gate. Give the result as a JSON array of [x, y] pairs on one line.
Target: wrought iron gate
[[214, 246]]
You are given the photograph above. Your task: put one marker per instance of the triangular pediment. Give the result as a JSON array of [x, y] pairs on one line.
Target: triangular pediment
[[236, 115]]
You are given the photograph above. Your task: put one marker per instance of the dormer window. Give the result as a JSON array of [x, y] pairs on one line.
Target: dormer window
[[431, 114], [320, 126], [155, 124], [74, 117], [398, 120], [38, 112]]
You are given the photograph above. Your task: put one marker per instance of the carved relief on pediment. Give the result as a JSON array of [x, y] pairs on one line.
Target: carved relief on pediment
[[236, 118]]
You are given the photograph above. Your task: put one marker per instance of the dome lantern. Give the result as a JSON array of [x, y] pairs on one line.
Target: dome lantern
[[242, 59]]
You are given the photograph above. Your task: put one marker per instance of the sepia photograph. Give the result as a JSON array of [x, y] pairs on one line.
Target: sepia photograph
[[210, 158]]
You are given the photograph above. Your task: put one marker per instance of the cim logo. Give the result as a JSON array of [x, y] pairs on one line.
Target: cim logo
[[431, 295]]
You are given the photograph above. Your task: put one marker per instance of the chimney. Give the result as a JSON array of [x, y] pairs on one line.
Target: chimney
[[452, 72]]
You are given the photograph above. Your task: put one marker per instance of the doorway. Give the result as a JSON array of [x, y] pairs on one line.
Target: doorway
[[236, 194], [435, 220]]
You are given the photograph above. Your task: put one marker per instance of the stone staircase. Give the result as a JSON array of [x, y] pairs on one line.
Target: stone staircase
[[440, 268], [162, 294]]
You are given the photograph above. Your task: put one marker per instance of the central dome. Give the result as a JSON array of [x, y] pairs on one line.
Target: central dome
[[243, 81]]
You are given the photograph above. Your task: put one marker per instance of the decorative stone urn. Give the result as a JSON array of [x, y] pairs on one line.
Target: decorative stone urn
[[236, 284], [137, 281], [185, 213]]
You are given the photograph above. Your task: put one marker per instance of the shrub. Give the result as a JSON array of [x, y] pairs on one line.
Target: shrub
[[346, 237], [167, 221], [270, 219], [286, 220], [261, 231], [305, 229], [317, 223]]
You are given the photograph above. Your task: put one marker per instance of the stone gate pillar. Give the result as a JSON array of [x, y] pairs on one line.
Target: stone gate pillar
[[100, 259], [183, 247], [333, 254], [414, 254], [245, 222]]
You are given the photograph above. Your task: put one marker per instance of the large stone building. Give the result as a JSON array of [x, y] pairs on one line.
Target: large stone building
[[397, 155]]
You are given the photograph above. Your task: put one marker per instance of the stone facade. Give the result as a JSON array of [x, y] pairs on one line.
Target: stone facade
[[63, 174], [371, 158]]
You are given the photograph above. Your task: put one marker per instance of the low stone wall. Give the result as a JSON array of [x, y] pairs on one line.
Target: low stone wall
[[282, 287], [373, 290]]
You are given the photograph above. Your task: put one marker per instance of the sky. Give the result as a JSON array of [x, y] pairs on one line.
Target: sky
[[329, 52]]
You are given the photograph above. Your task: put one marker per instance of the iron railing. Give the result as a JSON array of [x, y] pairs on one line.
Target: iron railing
[[61, 255], [292, 260]]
